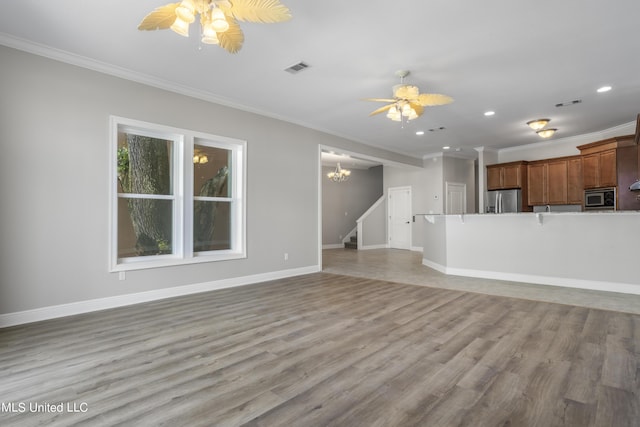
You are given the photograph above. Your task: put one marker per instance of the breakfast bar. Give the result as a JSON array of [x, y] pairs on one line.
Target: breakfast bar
[[589, 250]]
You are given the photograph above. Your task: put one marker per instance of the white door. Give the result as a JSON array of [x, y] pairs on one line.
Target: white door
[[399, 204], [456, 198]]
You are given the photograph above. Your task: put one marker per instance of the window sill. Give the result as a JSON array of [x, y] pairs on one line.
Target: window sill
[[170, 261]]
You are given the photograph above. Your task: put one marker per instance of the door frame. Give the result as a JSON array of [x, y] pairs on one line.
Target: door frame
[[389, 191], [464, 199]]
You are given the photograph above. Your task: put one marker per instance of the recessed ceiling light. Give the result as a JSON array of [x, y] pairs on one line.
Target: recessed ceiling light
[[604, 89], [489, 113], [420, 132], [446, 147]]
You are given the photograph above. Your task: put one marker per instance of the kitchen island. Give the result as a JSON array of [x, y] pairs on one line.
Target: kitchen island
[[589, 250]]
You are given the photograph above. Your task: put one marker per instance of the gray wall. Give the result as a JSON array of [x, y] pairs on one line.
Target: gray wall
[[54, 130], [343, 203], [461, 171], [374, 227], [426, 191]]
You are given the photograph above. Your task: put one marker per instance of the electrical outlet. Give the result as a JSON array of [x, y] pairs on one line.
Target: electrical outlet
[[122, 275], [286, 256]]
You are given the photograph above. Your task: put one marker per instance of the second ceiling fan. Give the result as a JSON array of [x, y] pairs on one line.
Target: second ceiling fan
[[407, 102]]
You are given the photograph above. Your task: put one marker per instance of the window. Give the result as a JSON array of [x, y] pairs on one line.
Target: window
[[177, 196]]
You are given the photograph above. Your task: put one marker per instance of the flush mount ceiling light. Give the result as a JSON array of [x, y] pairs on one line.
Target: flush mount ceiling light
[[538, 124], [218, 19], [547, 133], [604, 89], [339, 175], [489, 113]]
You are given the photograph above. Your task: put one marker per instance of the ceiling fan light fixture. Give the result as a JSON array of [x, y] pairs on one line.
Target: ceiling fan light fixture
[[538, 124], [209, 36], [546, 133], [394, 114], [180, 27], [407, 102], [221, 15], [218, 20], [186, 12]]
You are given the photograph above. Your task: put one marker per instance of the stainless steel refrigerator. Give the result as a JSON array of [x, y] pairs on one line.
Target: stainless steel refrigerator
[[504, 201]]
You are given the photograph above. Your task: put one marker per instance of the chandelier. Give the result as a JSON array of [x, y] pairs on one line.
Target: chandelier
[[200, 159], [339, 175]]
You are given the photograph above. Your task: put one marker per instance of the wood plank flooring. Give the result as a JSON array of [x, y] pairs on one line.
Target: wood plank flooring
[[327, 350]]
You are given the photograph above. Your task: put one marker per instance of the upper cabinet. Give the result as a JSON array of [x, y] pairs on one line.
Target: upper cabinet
[[599, 161], [506, 176], [555, 181], [599, 169], [575, 186]]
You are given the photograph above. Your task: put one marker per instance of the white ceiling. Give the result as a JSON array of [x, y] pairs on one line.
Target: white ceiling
[[517, 58]]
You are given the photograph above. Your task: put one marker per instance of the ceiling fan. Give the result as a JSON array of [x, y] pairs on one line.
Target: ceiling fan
[[407, 102], [218, 18]]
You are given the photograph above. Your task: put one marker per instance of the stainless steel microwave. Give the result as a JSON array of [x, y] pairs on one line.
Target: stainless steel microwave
[[600, 199]]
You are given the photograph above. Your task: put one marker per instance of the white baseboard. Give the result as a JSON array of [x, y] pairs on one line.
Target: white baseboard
[[80, 307], [435, 266], [381, 246], [567, 282], [333, 246]]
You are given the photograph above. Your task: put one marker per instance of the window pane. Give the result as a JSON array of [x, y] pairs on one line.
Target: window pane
[[144, 164], [211, 171], [211, 226], [144, 227]]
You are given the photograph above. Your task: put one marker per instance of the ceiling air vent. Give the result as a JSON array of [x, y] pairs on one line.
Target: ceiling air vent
[[296, 68], [569, 103]]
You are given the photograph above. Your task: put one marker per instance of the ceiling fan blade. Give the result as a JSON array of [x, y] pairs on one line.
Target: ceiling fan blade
[[381, 110], [232, 39], [419, 109], [433, 99], [161, 18], [380, 99], [264, 11]]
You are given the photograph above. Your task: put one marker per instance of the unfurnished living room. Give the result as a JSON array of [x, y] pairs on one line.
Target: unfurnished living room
[[290, 213]]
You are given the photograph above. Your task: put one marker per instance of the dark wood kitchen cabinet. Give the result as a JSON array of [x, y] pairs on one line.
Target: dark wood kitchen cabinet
[[575, 188], [536, 183], [599, 161], [628, 159], [599, 169], [506, 176], [555, 181]]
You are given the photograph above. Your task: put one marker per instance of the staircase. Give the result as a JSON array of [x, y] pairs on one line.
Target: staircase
[[352, 243]]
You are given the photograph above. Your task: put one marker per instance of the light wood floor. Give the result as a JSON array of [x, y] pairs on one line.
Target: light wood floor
[[328, 350], [406, 267]]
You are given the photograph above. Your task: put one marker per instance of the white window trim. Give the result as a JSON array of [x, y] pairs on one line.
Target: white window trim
[[184, 141]]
